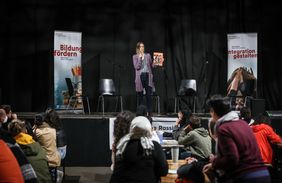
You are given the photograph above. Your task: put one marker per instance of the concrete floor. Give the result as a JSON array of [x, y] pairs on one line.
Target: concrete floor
[[87, 175]]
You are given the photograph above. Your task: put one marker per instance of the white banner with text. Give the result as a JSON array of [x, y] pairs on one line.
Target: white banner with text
[[164, 124], [67, 68], [242, 66]]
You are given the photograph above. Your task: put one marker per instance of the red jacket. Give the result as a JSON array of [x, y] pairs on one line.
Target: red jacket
[[9, 167], [265, 137]]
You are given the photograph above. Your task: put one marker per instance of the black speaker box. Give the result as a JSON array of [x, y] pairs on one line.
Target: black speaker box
[[257, 106], [276, 121]]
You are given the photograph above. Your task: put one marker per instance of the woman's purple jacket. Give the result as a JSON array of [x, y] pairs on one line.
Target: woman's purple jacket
[[137, 65]]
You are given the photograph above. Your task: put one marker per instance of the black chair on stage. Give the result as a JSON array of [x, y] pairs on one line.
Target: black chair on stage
[[107, 89], [75, 98], [187, 89]]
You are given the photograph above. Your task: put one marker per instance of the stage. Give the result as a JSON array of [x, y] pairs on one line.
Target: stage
[[88, 139], [88, 135]]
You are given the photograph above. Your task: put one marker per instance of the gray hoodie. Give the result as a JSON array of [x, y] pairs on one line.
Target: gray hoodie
[[197, 141]]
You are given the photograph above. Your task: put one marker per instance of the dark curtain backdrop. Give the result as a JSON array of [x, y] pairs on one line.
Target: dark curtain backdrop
[[191, 33]]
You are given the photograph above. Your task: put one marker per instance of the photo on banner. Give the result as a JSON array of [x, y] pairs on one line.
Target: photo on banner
[[67, 69], [242, 68]]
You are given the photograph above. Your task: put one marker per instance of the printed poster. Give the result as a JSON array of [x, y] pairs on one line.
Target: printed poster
[[242, 67], [67, 67]]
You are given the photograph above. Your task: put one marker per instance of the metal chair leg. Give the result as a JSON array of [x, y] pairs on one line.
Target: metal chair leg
[[75, 103], [82, 104], [88, 105], [117, 98], [158, 103], [194, 104], [99, 98], [175, 104], [178, 104], [121, 104], [69, 103], [103, 105]]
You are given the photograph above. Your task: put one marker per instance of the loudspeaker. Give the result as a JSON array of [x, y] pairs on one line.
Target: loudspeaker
[[276, 121], [257, 106]]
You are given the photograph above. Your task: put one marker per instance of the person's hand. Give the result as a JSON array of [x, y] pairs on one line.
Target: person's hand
[[177, 122], [211, 158], [207, 167], [190, 160], [14, 116], [141, 56], [188, 128]]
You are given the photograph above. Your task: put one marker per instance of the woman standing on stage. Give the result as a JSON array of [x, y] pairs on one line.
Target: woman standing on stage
[[143, 75]]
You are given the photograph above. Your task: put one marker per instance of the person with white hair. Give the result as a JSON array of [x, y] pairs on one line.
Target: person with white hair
[[139, 159]]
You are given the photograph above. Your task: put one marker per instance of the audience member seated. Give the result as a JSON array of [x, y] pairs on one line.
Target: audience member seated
[[28, 172], [238, 158], [54, 121], [138, 159], [9, 167], [32, 150], [142, 111], [9, 115], [196, 139], [190, 173], [266, 137], [211, 128], [3, 117], [46, 136], [245, 114], [121, 128], [182, 121]]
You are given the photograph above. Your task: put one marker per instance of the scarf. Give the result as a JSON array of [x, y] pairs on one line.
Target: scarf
[[24, 139], [142, 123], [146, 144]]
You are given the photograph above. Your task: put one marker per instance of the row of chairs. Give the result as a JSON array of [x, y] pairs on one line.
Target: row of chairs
[[107, 89]]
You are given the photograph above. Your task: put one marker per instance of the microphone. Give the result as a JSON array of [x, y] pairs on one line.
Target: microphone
[[141, 56]]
